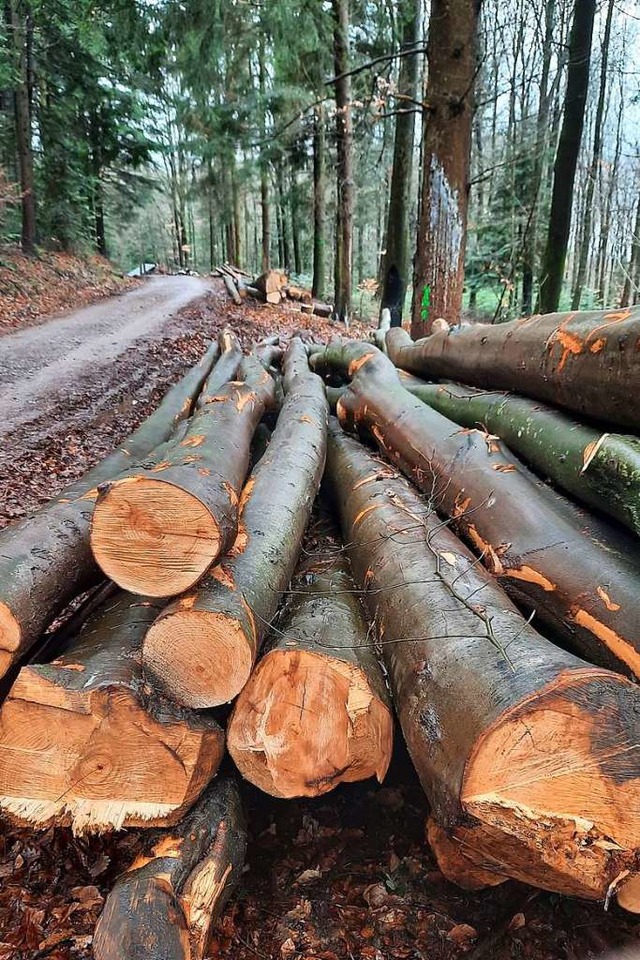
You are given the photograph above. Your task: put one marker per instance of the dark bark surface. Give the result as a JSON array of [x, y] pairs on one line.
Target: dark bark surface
[[46, 560], [344, 165], [166, 903], [319, 205], [86, 739], [495, 716], [204, 645], [581, 361]]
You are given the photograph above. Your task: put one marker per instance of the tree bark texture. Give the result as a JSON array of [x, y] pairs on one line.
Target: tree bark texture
[[315, 711], [87, 741], [319, 205], [19, 12], [345, 196], [165, 905], [204, 645], [507, 732], [46, 560], [581, 361]]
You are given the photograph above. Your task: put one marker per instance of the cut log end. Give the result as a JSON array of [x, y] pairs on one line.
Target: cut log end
[[338, 732], [115, 766], [454, 865], [627, 893], [215, 656], [171, 537], [10, 638]]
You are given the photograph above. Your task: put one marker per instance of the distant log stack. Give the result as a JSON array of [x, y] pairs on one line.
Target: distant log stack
[[86, 740], [585, 361], [528, 751], [315, 711]]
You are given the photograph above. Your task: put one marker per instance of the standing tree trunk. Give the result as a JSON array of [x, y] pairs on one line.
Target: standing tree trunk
[[19, 13], [633, 270], [344, 148], [395, 265], [442, 227], [319, 203], [264, 167], [564, 170], [594, 166]]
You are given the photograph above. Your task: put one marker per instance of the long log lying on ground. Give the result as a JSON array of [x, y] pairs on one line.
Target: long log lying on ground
[[580, 575], [315, 711], [157, 530], [529, 751], [232, 289], [86, 740], [203, 646], [166, 904], [226, 368], [601, 469], [46, 560], [585, 362]]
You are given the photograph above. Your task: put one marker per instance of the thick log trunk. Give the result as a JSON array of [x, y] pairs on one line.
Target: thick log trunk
[[158, 529], [581, 361], [86, 740], [225, 370], [514, 740], [46, 560], [204, 645], [315, 711], [601, 469], [581, 576], [168, 901], [319, 309], [232, 289]]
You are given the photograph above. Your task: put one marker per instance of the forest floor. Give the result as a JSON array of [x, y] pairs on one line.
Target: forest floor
[[345, 877]]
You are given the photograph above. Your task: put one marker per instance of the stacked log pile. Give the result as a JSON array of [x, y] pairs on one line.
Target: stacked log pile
[[511, 662], [272, 287]]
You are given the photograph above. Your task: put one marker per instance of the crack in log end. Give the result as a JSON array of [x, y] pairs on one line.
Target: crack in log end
[[548, 762], [153, 537], [621, 649], [216, 653], [531, 576]]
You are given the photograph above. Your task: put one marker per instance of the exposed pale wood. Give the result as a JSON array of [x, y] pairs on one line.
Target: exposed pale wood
[[86, 740], [298, 293], [273, 281], [459, 860]]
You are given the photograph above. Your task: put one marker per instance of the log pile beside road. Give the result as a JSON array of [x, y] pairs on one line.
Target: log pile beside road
[[511, 659]]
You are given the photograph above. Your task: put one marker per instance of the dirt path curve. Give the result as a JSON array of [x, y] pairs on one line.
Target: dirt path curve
[[42, 364]]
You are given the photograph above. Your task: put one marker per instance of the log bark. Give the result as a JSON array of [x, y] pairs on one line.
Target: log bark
[[514, 740], [600, 469], [232, 290], [168, 901], [87, 741], [315, 711], [158, 529], [581, 361], [581, 576], [46, 560], [319, 309], [204, 645]]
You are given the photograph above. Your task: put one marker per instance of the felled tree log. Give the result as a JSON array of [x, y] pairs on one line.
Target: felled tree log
[[528, 750], [600, 469], [87, 741], [581, 576], [232, 289], [168, 901], [298, 293], [46, 560], [226, 368], [319, 309], [315, 712], [582, 361], [158, 529], [203, 646]]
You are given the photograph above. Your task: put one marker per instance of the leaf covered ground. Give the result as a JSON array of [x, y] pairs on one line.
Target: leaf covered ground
[[345, 877]]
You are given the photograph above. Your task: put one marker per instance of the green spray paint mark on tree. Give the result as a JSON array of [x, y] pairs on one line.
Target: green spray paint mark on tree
[[426, 300]]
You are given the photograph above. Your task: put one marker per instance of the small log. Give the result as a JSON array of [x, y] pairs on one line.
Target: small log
[[300, 294], [274, 297], [167, 903], [582, 361], [232, 290], [158, 529], [204, 645], [319, 309], [581, 575], [226, 368], [315, 711], [255, 292], [86, 741], [46, 560], [512, 738]]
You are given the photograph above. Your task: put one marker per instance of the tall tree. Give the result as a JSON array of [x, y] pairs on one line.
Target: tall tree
[[564, 171], [21, 27], [319, 204], [344, 166], [446, 146], [396, 264]]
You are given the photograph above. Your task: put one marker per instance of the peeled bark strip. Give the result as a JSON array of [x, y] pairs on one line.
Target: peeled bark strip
[[157, 530], [601, 469], [515, 741], [582, 361], [165, 905], [581, 576], [204, 645], [46, 560], [86, 740], [315, 711]]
